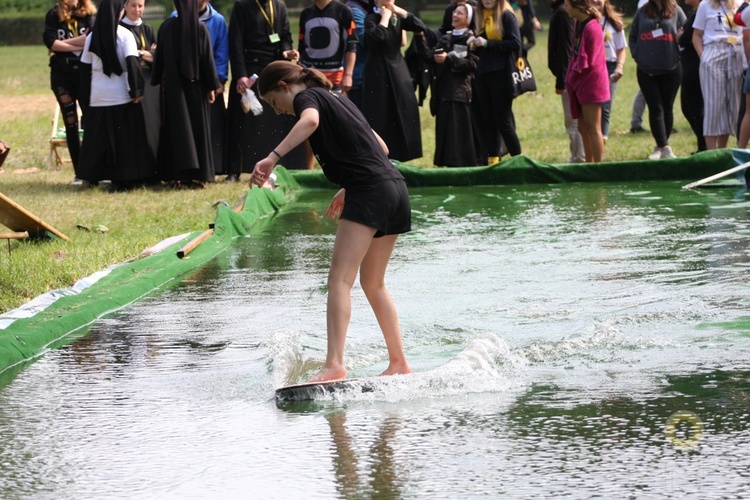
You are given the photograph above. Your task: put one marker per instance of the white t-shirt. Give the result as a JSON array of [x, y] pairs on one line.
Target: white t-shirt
[[717, 24], [613, 40], [745, 15], [110, 90]]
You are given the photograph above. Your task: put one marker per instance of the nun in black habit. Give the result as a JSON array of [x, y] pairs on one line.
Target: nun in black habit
[[113, 87], [453, 66], [145, 39], [388, 99], [184, 67]]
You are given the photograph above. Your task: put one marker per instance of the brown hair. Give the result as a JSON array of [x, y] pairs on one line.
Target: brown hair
[[290, 73], [586, 7], [83, 9], [660, 9], [612, 15]]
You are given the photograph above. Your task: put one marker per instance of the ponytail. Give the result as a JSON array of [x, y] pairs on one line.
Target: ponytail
[[290, 73]]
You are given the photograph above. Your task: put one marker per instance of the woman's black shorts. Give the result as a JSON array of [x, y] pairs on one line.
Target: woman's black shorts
[[384, 206]]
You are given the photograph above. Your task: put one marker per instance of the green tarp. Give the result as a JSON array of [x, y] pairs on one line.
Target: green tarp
[[523, 170], [27, 338]]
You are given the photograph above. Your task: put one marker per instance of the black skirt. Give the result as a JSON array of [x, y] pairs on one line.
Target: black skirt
[[456, 138], [218, 123], [115, 146], [151, 112]]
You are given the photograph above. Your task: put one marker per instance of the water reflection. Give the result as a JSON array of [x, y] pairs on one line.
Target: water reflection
[[550, 359], [380, 477]]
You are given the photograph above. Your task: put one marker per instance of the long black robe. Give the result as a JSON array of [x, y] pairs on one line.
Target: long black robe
[[252, 137], [388, 100], [145, 37], [456, 133], [185, 151]]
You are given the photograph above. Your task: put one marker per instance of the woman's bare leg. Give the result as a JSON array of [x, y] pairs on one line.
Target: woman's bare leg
[[352, 243], [372, 278], [589, 125]]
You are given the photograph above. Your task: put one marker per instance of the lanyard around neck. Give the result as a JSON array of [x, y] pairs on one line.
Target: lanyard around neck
[[73, 27], [269, 20]]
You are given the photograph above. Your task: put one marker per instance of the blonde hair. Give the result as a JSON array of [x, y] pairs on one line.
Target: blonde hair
[[83, 9], [500, 7], [731, 4]]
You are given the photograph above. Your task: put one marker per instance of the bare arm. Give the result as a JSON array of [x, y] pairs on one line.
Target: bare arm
[[307, 124], [346, 81], [69, 45], [617, 73], [698, 41], [381, 142]]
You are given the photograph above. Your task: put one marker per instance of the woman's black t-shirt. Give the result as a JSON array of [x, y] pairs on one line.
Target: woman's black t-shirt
[[54, 29], [344, 143]]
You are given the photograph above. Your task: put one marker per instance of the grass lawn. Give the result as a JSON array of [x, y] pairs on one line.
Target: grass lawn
[[139, 219]]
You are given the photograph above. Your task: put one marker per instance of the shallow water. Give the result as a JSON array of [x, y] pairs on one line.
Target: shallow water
[[554, 330]]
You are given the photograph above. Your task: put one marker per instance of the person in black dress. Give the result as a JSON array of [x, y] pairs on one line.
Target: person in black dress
[[691, 96], [258, 34], [497, 41], [65, 28], [372, 207], [114, 146], [388, 101], [184, 67], [456, 134], [217, 29], [145, 39]]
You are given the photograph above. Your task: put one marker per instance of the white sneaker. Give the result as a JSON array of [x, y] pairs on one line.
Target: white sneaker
[[667, 153], [656, 155]]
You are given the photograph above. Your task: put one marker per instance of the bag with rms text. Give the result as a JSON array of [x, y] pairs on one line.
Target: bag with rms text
[[521, 77]]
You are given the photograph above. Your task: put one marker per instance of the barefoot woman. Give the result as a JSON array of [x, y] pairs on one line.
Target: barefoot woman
[[373, 205]]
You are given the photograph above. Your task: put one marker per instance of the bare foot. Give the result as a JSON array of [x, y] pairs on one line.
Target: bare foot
[[402, 368], [327, 374]]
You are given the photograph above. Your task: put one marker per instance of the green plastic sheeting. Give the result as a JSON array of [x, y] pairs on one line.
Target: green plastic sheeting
[[27, 338], [523, 170]]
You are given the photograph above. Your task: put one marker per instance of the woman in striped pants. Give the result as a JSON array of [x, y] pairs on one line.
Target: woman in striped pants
[[719, 44]]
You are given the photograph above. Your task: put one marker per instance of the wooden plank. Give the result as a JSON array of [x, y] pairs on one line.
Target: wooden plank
[[14, 236], [720, 175], [18, 219], [193, 244]]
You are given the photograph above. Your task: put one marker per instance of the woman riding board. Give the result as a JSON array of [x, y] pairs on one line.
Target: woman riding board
[[373, 207]]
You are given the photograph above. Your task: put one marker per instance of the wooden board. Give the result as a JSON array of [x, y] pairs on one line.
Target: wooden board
[[17, 218], [315, 390]]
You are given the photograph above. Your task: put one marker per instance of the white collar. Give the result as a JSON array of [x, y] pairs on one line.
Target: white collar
[[459, 32], [126, 20]]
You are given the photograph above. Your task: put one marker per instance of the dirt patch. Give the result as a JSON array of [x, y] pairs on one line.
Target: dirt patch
[[17, 106]]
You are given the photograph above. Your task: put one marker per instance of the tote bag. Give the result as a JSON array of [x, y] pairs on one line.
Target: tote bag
[[521, 76]]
